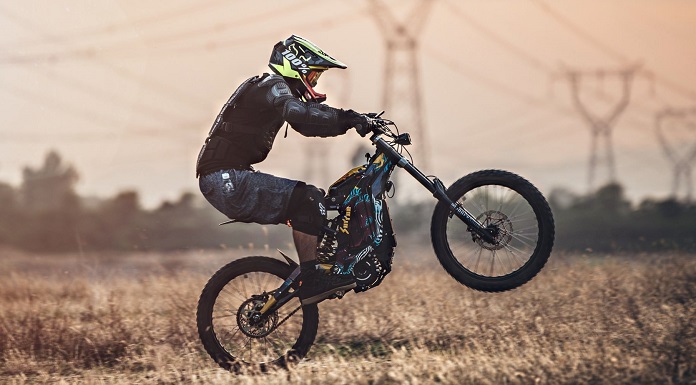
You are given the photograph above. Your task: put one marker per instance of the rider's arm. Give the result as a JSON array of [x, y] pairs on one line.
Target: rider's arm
[[309, 118]]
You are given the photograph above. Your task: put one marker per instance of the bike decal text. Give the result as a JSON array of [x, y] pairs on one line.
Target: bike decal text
[[346, 220]]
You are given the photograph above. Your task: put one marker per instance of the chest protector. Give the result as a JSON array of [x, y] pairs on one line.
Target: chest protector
[[215, 146]]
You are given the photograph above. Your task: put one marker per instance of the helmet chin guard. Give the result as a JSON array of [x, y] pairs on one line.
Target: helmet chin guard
[[311, 94]]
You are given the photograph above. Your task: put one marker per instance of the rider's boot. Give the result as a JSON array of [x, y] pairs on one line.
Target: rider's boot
[[317, 285]]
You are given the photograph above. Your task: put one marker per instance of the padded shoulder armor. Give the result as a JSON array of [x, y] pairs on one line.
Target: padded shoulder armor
[[270, 80], [279, 90]]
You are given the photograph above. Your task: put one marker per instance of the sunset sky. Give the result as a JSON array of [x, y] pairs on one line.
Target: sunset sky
[[126, 90]]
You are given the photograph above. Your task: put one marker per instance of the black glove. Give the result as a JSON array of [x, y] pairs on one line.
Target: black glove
[[364, 127], [362, 123]]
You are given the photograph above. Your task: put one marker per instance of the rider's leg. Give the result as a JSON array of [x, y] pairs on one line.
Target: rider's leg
[[307, 214], [306, 245]]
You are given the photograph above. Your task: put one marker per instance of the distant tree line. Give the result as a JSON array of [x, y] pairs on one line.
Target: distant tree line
[[606, 221], [45, 214]]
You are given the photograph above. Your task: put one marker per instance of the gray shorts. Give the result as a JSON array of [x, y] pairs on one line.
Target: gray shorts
[[248, 196]]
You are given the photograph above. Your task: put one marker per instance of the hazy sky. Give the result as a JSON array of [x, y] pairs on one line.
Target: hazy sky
[[126, 90]]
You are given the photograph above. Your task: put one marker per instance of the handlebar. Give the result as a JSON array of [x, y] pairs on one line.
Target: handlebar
[[377, 125]]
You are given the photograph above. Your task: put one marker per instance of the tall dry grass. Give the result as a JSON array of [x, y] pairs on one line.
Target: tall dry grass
[[131, 319]]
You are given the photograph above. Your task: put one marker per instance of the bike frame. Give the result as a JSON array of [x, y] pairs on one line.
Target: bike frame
[[435, 186], [282, 295]]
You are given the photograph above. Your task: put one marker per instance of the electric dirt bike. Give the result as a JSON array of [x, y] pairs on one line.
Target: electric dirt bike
[[491, 230]]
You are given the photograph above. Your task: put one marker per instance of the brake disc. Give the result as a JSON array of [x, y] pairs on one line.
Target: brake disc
[[500, 226], [250, 321]]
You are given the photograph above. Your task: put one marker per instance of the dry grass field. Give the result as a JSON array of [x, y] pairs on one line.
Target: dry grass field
[[586, 319]]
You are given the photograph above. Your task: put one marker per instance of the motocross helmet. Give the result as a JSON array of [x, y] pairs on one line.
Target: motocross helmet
[[298, 58]]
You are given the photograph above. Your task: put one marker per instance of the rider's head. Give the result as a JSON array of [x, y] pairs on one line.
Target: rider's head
[[301, 63]]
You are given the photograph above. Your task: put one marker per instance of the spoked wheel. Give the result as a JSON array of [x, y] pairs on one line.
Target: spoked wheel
[[231, 327], [514, 212]]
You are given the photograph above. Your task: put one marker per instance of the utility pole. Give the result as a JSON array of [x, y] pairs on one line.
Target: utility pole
[[601, 126], [676, 131], [401, 96]]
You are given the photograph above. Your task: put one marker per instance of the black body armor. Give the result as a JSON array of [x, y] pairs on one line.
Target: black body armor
[[244, 130]]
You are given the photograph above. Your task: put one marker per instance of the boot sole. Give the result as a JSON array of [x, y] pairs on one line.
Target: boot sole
[[322, 296]]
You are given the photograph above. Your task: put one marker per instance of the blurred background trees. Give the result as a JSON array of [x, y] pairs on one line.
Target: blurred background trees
[[45, 214]]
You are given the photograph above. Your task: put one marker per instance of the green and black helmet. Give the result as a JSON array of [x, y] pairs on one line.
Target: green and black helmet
[[298, 58]]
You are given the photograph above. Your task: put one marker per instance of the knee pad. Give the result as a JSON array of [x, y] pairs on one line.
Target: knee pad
[[306, 209]]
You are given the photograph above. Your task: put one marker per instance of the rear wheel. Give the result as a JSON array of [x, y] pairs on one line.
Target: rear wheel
[[517, 215], [228, 317]]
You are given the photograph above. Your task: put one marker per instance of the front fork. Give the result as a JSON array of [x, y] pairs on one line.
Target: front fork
[[438, 190], [472, 223]]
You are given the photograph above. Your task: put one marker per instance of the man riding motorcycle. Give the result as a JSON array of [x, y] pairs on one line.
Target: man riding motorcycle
[[243, 135]]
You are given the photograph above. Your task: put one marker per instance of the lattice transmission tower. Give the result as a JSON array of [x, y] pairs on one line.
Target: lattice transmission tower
[[676, 132], [401, 96], [601, 126]]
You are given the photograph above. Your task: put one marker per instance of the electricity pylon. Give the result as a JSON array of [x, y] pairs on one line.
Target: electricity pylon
[[601, 126], [681, 119], [401, 96]]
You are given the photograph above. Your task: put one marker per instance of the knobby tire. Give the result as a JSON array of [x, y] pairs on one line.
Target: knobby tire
[[495, 197], [214, 338]]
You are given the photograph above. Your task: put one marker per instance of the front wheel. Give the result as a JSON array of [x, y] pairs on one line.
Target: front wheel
[[514, 211], [229, 326]]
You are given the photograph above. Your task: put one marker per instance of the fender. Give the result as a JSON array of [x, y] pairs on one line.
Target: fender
[[291, 263]]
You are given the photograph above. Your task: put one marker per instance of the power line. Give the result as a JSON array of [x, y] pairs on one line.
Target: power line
[[218, 29], [652, 21], [94, 119], [506, 44], [507, 90], [492, 83], [580, 32], [126, 46], [530, 59], [103, 93], [609, 51], [112, 28], [516, 50], [212, 45], [162, 88], [165, 89]]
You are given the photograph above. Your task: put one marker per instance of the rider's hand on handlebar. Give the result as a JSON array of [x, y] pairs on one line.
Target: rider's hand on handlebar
[[364, 127], [362, 123]]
